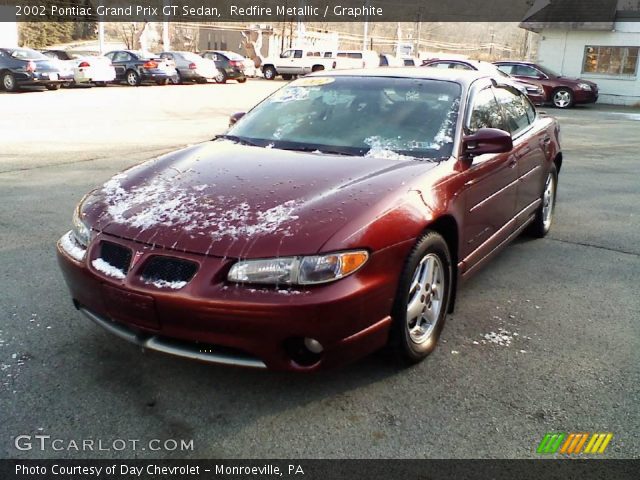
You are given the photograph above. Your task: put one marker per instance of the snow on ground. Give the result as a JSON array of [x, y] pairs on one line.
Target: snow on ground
[[166, 284]]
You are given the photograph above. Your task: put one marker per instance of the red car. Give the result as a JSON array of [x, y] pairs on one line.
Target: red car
[[563, 92], [534, 92], [336, 217]]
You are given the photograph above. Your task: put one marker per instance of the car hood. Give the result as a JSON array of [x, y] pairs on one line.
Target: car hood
[[575, 81], [225, 199]]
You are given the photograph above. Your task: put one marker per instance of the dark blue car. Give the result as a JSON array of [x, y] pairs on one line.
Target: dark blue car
[[135, 67], [23, 66]]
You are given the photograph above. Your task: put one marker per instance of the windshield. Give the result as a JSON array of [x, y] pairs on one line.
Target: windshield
[[374, 116], [192, 57], [27, 54]]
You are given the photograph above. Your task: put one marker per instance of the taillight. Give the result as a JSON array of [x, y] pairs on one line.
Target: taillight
[[236, 63], [192, 66], [84, 65], [31, 66], [150, 64]]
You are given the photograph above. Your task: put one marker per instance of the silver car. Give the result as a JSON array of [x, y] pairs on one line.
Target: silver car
[[191, 67]]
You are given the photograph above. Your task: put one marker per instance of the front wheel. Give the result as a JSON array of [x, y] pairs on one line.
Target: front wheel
[[163, 82], [563, 98], [54, 86], [543, 220], [133, 78], [242, 80], [177, 78], [422, 300], [9, 82], [269, 73], [221, 77]]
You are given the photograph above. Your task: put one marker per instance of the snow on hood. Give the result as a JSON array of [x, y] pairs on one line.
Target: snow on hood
[[225, 199]]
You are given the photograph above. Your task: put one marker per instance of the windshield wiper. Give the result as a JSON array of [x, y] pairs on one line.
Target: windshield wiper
[[235, 138], [327, 151]]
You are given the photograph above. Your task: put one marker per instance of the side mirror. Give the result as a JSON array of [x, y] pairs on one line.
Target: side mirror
[[233, 119], [486, 140]]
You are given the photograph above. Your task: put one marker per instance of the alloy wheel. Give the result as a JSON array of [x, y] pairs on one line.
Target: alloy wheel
[[426, 297], [8, 82], [548, 201], [562, 99]]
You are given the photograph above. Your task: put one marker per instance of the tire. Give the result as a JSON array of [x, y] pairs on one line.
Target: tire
[[100, 84], [163, 82], [202, 81], [132, 78], [54, 86], [287, 76], [221, 77], [9, 82], [543, 220], [242, 80], [317, 68], [415, 332], [176, 79], [562, 98], [269, 73]]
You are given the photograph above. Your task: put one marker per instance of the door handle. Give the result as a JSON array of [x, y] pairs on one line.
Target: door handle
[[546, 141], [512, 162]]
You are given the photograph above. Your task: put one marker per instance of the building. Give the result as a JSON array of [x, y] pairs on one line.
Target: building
[[605, 50], [8, 28]]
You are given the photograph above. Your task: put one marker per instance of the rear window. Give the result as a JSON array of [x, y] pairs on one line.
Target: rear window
[[26, 54]]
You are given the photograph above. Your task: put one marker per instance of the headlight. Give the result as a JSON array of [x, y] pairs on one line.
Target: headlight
[[298, 270], [584, 86], [80, 229]]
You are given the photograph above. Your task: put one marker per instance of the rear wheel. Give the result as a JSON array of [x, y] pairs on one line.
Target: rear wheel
[[164, 81], [54, 86], [9, 82], [269, 73], [563, 98], [221, 77], [287, 76], [543, 220], [317, 68], [177, 78], [422, 300], [132, 77], [242, 80]]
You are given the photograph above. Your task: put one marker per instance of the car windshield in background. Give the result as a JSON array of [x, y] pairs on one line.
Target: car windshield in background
[[374, 116], [26, 54], [233, 56], [191, 57]]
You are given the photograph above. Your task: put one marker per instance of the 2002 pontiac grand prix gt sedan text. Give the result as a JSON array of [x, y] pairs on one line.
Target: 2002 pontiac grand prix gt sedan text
[[336, 217]]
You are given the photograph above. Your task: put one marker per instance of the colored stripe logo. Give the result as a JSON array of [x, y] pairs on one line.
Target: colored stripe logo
[[574, 443]]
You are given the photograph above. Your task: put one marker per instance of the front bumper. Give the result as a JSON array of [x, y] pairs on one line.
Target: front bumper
[[211, 321], [585, 96]]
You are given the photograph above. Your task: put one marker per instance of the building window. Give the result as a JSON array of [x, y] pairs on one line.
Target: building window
[[610, 60]]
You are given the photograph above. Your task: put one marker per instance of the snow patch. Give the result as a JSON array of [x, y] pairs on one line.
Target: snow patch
[[109, 270], [166, 284], [69, 245], [381, 148]]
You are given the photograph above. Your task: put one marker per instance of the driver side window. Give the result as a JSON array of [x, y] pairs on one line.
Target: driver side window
[[486, 112]]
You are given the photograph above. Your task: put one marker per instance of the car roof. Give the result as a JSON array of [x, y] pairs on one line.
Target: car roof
[[463, 77], [522, 62]]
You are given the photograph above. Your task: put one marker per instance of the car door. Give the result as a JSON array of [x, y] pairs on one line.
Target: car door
[[489, 185], [119, 60], [529, 143]]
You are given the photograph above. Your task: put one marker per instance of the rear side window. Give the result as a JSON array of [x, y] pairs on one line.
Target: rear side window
[[525, 71], [515, 109], [485, 112], [508, 69]]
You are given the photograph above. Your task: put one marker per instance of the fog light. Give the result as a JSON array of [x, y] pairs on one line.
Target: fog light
[[313, 345]]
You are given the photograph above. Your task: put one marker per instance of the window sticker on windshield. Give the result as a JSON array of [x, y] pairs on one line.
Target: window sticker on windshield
[[444, 98], [291, 94], [412, 95], [312, 82]]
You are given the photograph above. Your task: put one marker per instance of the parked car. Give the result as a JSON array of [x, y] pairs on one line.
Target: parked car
[[534, 92], [230, 65], [230, 252], [562, 91], [23, 66], [85, 67], [297, 61], [135, 67], [191, 67], [357, 59]]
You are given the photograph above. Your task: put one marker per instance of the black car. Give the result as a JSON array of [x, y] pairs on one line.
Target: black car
[[23, 66], [230, 65], [135, 67]]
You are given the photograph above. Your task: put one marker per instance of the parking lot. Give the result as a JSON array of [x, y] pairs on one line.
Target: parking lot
[[545, 338]]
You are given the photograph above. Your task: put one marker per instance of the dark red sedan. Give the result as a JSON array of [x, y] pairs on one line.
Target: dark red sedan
[[563, 92], [335, 218]]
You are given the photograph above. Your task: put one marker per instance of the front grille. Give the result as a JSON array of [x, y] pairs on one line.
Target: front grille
[[116, 255], [167, 269]]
